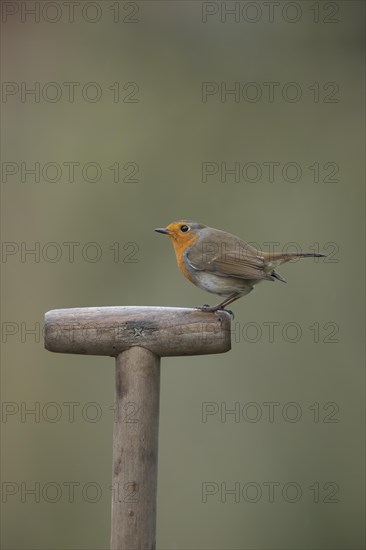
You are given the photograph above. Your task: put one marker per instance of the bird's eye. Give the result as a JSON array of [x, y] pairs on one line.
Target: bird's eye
[[184, 228]]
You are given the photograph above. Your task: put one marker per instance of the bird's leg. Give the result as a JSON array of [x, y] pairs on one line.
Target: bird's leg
[[229, 300], [223, 304]]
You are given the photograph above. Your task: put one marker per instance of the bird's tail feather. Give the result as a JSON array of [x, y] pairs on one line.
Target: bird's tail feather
[[278, 258], [278, 276]]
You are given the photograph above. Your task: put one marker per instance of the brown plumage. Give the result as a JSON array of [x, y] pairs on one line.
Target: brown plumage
[[222, 263]]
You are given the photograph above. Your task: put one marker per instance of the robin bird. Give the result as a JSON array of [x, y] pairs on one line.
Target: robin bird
[[222, 263]]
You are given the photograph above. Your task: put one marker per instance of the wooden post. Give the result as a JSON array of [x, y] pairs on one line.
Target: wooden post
[[137, 337], [135, 449]]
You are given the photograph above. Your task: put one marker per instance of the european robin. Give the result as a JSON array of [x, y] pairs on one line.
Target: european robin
[[222, 263]]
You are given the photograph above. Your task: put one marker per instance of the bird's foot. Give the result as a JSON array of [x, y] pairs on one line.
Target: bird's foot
[[214, 309], [207, 308], [230, 312]]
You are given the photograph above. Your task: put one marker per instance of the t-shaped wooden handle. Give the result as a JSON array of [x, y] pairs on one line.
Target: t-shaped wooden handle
[[137, 337]]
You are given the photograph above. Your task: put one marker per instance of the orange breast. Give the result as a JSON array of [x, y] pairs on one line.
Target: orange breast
[[180, 246]]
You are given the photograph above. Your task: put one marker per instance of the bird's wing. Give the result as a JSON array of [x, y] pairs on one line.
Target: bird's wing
[[226, 256]]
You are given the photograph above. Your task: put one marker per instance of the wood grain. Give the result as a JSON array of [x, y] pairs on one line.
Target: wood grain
[[135, 450], [166, 331]]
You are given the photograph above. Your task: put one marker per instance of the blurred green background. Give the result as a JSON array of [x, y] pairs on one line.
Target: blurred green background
[[161, 129]]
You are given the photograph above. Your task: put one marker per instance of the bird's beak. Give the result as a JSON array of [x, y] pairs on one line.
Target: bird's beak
[[162, 230]]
